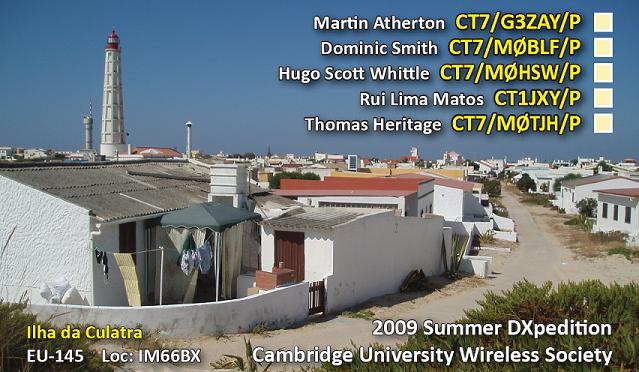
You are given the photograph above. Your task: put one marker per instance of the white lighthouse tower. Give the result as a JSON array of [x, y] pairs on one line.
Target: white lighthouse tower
[[112, 139]]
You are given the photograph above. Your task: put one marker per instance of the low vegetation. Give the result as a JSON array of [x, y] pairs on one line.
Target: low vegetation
[[592, 301], [499, 208], [630, 254], [260, 329], [361, 314], [458, 250], [537, 199], [14, 344], [581, 221], [607, 237], [487, 238], [240, 363]]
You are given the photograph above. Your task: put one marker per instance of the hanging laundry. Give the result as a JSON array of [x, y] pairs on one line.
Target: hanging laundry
[[205, 257], [101, 258], [190, 261]]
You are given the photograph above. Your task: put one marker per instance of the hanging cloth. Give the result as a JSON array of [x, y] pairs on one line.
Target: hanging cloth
[[205, 254], [199, 236], [189, 259], [101, 258]]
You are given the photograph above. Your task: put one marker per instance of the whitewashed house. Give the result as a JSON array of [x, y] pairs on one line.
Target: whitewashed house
[[55, 216], [410, 197], [574, 190], [618, 210], [454, 200], [356, 253]]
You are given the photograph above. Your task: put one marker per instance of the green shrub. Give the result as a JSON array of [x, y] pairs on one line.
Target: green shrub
[[526, 183], [14, 344], [587, 207], [492, 188], [274, 180], [626, 252], [581, 221], [537, 199], [362, 314], [592, 301]]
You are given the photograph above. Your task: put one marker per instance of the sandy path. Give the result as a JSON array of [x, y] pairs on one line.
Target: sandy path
[[538, 258]]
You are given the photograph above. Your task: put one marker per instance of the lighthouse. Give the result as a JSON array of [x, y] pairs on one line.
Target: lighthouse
[[112, 139]]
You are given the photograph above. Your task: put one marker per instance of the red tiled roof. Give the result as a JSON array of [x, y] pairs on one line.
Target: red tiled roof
[[338, 192], [466, 186], [354, 185], [632, 192], [156, 152]]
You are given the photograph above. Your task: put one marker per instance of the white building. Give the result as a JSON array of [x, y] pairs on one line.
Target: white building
[[356, 253], [618, 210], [54, 217], [455, 201], [574, 190], [407, 197], [7, 153], [35, 154]]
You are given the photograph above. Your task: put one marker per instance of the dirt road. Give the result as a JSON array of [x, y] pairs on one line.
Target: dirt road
[[539, 257]]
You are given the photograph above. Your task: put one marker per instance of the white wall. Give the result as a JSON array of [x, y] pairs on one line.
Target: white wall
[[587, 191], [609, 224], [112, 292], [51, 239], [314, 200], [448, 202], [473, 210], [373, 255], [280, 307], [318, 253]]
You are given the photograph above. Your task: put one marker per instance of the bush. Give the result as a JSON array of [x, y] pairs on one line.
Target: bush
[[587, 207], [580, 221], [526, 183], [14, 344], [274, 180], [592, 301], [492, 188]]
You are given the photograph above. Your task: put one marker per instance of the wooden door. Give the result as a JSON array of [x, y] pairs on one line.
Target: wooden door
[[127, 238], [289, 249]]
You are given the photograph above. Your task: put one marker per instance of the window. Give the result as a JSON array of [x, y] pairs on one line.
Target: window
[[604, 210], [615, 213], [627, 217]]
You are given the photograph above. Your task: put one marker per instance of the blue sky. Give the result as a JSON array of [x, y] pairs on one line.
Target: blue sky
[[216, 65]]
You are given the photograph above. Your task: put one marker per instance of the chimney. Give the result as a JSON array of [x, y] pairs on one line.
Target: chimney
[[188, 139], [88, 132], [229, 184]]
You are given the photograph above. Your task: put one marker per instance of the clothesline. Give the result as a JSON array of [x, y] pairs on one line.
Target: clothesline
[[137, 252]]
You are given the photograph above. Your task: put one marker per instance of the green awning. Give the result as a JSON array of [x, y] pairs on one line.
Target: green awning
[[213, 215]]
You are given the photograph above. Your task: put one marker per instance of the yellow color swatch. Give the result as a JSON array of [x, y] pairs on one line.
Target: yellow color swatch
[[603, 22], [603, 72], [603, 98], [603, 47], [603, 123]]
